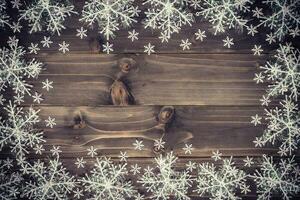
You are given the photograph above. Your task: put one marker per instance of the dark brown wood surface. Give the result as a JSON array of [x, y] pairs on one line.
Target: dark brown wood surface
[[211, 88]]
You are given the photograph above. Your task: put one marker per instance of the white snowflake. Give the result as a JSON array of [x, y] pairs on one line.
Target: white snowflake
[[107, 47], [167, 16], [283, 73], [14, 69], [17, 131], [80, 162], [33, 48], [64, 47], [138, 144], [282, 127], [37, 98], [50, 122], [270, 38], [16, 27], [228, 42], [216, 155], [257, 50], [200, 35], [39, 149], [256, 120], [109, 15], [123, 156], [225, 14], [55, 150], [92, 151], [107, 181], [149, 48], [188, 148], [16, 4], [78, 193], [190, 166], [47, 180], [185, 44], [259, 78], [159, 144], [135, 169], [46, 14], [248, 161], [163, 181], [46, 42], [221, 183], [283, 18], [277, 179], [133, 35], [163, 37], [47, 84], [81, 33]]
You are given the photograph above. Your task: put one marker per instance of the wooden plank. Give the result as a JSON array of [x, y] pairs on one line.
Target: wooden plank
[[157, 79], [113, 129]]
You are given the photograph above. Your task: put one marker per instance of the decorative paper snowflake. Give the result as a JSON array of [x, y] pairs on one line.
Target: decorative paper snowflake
[[282, 127], [222, 183], [225, 14], [110, 15], [107, 181], [283, 73], [9, 181], [47, 14], [283, 18], [17, 130], [277, 179], [4, 18], [163, 181], [47, 181], [167, 15], [14, 70]]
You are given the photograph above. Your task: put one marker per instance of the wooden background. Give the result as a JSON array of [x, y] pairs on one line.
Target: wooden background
[[210, 86]]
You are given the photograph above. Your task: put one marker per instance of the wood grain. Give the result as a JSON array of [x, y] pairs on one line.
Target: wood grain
[[164, 79], [112, 129]]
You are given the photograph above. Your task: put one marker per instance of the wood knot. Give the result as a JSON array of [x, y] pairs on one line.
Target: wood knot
[[166, 114], [125, 65], [79, 123], [120, 94]]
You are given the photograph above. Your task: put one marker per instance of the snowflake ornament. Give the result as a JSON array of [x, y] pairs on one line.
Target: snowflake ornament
[[47, 15], [17, 131], [149, 48], [277, 179], [9, 181], [14, 69], [64, 47], [168, 16], [133, 35], [81, 33], [283, 19], [200, 35], [163, 181], [221, 183], [46, 42], [109, 15], [283, 73], [282, 127], [225, 14], [107, 181], [47, 180]]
